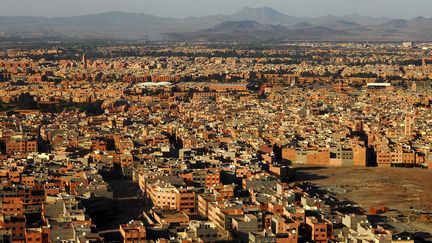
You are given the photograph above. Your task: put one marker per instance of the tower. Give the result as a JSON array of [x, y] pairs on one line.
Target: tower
[[84, 61], [408, 124]]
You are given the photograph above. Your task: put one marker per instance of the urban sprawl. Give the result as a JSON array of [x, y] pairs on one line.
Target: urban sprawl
[[181, 142]]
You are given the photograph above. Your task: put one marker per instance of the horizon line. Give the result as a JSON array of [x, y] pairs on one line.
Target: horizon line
[[217, 14]]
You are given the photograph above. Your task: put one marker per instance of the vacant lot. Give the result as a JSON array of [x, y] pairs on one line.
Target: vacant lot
[[396, 188], [403, 190]]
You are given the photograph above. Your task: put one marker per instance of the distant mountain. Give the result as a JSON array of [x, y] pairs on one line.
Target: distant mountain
[[265, 16], [363, 20], [111, 24], [248, 23], [419, 28], [340, 24], [248, 30], [244, 26], [302, 25], [420, 23], [396, 23]]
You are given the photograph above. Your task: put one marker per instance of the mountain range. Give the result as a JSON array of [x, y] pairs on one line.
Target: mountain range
[[248, 24]]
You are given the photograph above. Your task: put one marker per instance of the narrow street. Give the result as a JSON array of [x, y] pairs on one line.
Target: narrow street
[[126, 206]]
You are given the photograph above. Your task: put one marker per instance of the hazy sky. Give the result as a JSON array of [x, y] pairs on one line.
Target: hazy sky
[[187, 8]]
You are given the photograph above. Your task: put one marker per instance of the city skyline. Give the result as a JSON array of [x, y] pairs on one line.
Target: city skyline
[[193, 8]]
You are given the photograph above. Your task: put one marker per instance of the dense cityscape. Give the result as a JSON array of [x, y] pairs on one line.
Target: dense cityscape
[[215, 142]]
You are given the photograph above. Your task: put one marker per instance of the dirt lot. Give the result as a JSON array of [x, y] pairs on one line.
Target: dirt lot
[[396, 188], [406, 190]]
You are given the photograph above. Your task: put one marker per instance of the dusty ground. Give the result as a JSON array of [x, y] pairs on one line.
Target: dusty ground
[[403, 189], [396, 188]]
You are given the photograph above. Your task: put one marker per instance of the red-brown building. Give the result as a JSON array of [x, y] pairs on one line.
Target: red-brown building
[[21, 146], [133, 231]]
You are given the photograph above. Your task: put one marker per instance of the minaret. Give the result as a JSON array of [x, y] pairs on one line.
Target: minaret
[[408, 124], [84, 61]]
